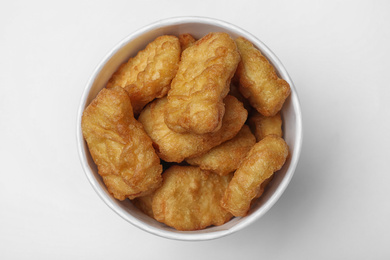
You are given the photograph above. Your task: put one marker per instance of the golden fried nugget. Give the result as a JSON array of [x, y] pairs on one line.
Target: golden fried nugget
[[186, 40], [148, 75], [175, 147], [263, 186], [189, 198], [258, 81], [144, 204], [236, 93], [195, 100], [265, 158], [226, 157], [119, 146], [265, 125]]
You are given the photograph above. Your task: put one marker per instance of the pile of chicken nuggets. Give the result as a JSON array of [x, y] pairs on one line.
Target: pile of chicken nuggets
[[189, 130]]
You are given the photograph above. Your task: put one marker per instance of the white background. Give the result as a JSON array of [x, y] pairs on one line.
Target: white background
[[337, 205]]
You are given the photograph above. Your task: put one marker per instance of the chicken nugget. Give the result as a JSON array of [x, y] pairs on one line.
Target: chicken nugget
[[236, 93], [175, 147], [144, 204], [195, 100], [265, 158], [262, 126], [186, 40], [189, 198], [226, 157], [148, 75], [119, 146], [263, 186], [258, 81]]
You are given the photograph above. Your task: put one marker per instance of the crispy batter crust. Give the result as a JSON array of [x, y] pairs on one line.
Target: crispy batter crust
[[262, 126], [144, 204], [119, 146], [236, 93], [148, 75], [266, 157], [263, 186], [258, 80], [189, 198], [175, 147], [226, 157], [195, 100], [186, 40]]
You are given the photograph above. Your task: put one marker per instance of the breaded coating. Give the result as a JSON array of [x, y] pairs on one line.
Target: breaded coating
[[236, 93], [148, 75], [226, 157], [258, 81], [262, 126], [186, 40], [263, 186], [265, 158], [175, 147], [195, 100], [119, 146], [189, 198], [144, 204]]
